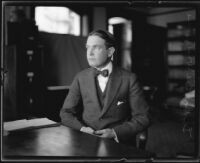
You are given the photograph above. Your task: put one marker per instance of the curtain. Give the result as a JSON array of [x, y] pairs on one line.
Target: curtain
[[64, 56]]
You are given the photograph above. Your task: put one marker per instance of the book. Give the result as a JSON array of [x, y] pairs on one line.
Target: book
[[190, 94]]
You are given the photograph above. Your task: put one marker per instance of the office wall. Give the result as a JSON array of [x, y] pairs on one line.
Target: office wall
[[163, 19]]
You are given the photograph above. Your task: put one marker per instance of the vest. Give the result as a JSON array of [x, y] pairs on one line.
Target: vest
[[101, 95]]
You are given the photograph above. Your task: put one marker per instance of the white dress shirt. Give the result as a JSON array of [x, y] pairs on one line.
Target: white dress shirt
[[104, 80]]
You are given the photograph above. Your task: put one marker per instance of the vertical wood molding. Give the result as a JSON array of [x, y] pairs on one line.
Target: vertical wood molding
[[99, 18]]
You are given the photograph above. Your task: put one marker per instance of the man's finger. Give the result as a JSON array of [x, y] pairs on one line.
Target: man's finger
[[90, 130], [99, 132], [87, 130]]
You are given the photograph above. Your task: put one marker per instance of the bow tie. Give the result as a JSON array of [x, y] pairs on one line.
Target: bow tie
[[103, 73]]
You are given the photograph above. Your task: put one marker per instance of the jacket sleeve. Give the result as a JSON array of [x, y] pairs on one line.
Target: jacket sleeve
[[70, 109], [139, 112]]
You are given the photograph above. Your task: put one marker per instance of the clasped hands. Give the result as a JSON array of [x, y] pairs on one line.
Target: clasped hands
[[104, 133]]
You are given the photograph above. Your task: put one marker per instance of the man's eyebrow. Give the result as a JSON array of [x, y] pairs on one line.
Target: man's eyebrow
[[93, 45]]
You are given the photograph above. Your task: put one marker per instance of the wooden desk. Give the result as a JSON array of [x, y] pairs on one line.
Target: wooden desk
[[63, 142]]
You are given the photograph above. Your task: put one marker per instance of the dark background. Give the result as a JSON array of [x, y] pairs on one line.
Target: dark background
[[54, 69]]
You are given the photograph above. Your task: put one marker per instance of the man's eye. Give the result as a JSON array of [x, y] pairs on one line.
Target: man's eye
[[97, 47]]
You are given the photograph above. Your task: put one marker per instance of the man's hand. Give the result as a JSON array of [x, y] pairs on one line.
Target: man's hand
[[105, 133], [88, 130]]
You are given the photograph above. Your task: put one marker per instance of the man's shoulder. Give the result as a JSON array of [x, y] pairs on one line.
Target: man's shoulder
[[84, 72]]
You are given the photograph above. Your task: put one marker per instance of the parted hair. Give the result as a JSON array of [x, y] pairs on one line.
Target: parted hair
[[108, 37]]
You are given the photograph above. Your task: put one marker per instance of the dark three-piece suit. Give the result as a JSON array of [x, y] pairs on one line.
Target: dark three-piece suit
[[123, 107]]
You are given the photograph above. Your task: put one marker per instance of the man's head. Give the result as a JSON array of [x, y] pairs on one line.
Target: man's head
[[100, 48]]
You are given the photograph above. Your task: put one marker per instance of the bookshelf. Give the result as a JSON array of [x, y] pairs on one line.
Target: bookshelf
[[180, 63]]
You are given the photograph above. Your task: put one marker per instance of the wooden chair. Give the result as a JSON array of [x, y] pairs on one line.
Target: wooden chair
[[141, 139]]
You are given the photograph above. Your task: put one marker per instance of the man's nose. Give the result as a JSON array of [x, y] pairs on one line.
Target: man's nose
[[90, 52]]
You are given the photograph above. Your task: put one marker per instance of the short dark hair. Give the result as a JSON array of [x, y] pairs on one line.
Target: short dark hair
[[108, 37]]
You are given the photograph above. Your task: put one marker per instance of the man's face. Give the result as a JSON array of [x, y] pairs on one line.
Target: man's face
[[97, 53]]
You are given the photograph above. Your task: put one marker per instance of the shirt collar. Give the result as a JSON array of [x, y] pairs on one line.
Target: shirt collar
[[109, 67]]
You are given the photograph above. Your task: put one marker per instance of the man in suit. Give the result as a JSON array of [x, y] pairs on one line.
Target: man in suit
[[112, 100]]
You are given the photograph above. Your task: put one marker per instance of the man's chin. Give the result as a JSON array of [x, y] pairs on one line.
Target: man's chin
[[93, 65]]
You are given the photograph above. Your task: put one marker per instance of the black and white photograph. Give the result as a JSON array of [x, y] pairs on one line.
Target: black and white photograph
[[100, 81]]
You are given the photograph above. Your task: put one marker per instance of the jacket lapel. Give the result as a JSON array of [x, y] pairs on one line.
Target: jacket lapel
[[92, 88], [112, 89]]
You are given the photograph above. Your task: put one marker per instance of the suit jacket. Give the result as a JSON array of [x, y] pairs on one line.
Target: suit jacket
[[124, 110]]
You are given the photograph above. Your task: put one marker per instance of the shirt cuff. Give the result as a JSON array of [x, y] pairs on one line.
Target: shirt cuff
[[115, 138]]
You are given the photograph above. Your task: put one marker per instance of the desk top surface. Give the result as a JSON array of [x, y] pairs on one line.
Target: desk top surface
[[65, 142]]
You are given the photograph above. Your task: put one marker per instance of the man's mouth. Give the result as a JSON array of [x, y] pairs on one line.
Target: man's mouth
[[91, 58]]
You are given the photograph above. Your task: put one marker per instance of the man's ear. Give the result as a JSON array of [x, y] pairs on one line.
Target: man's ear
[[111, 51]]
